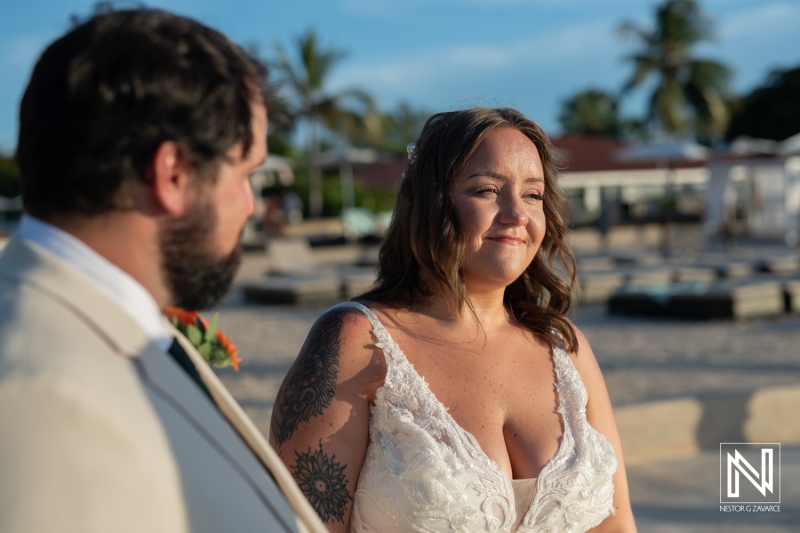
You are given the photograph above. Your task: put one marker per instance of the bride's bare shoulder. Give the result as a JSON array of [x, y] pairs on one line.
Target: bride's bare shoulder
[[393, 318], [344, 335]]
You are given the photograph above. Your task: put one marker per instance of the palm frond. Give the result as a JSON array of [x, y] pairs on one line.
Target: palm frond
[[667, 107], [643, 66], [708, 73], [294, 78], [684, 82], [317, 61], [629, 29]]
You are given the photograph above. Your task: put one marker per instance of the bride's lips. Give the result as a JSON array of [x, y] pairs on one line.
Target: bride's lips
[[507, 239]]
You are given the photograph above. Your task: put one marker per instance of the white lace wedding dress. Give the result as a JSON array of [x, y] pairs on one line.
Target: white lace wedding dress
[[423, 472]]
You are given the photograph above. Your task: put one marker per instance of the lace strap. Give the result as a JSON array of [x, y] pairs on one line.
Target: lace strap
[[571, 392], [385, 341]]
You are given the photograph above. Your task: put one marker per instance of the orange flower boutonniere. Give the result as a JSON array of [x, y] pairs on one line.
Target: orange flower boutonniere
[[213, 345]]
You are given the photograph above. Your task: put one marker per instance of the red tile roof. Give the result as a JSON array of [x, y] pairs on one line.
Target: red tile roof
[[581, 153], [382, 174], [584, 153]]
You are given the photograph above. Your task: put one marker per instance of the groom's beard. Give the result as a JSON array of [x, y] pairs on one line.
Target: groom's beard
[[195, 276]]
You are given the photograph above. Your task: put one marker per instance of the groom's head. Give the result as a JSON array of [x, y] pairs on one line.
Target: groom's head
[[143, 110]]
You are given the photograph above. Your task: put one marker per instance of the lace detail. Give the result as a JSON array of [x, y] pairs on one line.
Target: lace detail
[[423, 472]]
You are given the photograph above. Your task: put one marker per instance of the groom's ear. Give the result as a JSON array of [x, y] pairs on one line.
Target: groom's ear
[[172, 178]]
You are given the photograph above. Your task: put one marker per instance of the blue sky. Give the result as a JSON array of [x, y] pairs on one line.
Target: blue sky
[[442, 54]]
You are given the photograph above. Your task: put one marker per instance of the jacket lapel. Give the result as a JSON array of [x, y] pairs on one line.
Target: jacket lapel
[[237, 418], [32, 265], [172, 383]]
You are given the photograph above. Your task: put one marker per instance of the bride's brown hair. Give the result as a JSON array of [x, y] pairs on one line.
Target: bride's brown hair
[[424, 232]]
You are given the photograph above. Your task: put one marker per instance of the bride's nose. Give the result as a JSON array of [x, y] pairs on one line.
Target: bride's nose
[[513, 211]]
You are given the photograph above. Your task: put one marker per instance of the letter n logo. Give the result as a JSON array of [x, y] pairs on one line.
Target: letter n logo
[[748, 473]]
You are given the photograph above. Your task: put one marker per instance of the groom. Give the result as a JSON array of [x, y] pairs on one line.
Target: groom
[[138, 131]]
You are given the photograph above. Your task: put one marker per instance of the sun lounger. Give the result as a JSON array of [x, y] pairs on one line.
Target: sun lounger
[[721, 299]]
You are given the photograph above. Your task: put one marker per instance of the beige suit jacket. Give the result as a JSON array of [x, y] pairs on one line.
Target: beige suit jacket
[[100, 431]]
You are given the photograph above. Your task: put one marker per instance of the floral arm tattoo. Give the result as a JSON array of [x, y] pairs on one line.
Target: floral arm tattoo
[[323, 482], [307, 391], [311, 383]]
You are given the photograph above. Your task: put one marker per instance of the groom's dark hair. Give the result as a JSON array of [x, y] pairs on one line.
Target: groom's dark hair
[[103, 97]]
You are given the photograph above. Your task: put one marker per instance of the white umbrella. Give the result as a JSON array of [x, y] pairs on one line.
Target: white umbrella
[[337, 156], [275, 165], [790, 146], [668, 150], [745, 146], [345, 157]]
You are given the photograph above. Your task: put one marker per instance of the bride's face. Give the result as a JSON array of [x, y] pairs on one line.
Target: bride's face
[[498, 197]]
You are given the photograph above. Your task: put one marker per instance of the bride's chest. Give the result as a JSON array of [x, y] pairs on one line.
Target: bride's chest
[[505, 398]]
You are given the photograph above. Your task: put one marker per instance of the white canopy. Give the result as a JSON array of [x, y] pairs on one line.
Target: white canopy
[[668, 149], [337, 156], [745, 146], [274, 166]]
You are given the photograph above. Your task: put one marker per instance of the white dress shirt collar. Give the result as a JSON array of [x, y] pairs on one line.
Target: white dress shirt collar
[[107, 277]]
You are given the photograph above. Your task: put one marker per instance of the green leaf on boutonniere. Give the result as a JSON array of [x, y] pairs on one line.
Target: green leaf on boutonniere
[[211, 332], [217, 356], [213, 345], [205, 349], [194, 335]]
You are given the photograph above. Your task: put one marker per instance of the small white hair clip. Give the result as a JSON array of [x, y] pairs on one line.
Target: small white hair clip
[[411, 148], [412, 151]]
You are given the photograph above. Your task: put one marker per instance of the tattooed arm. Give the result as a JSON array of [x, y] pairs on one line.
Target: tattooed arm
[[320, 421]]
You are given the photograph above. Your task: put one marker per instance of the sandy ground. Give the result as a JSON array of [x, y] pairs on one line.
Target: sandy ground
[[642, 358], [682, 496]]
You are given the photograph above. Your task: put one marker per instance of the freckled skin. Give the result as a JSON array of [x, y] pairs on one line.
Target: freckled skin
[[498, 197], [496, 378]]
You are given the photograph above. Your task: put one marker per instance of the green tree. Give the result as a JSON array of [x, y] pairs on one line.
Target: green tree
[[772, 110], [9, 176], [281, 121], [591, 112], [402, 126], [691, 95], [396, 128], [332, 115]]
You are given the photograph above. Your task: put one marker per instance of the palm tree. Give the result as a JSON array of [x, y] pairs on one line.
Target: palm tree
[[397, 128], [691, 94], [591, 112], [281, 121], [334, 114], [9, 176]]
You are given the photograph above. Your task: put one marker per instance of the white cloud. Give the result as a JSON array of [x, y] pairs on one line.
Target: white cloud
[[767, 20], [412, 72], [532, 73], [755, 40]]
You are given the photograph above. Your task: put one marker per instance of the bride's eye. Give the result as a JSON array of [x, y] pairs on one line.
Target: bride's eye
[[486, 190], [535, 195]]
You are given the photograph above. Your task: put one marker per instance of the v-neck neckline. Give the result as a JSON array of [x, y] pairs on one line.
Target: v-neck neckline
[[398, 356]]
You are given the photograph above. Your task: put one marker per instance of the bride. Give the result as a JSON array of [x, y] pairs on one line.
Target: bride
[[455, 395]]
